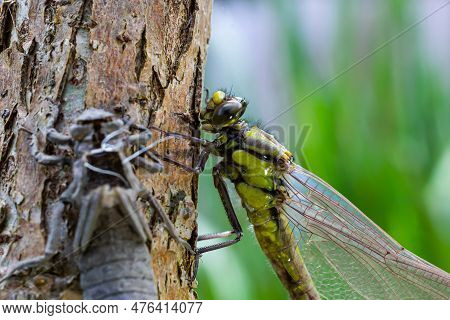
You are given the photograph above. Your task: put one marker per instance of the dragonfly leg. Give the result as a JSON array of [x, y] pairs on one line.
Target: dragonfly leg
[[43, 158], [140, 139], [201, 162], [221, 187], [154, 166], [206, 96], [58, 138], [210, 236], [199, 166], [51, 247], [204, 155], [202, 142], [52, 135], [167, 222], [137, 221]]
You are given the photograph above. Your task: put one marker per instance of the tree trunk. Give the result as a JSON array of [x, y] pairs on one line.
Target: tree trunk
[[139, 58]]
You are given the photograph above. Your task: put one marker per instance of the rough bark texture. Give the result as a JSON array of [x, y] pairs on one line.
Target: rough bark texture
[[141, 58]]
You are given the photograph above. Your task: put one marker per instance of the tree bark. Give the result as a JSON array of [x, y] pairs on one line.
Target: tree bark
[[138, 58]]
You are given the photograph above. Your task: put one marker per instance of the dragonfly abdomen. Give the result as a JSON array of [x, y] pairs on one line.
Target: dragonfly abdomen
[[116, 263], [277, 240], [119, 270]]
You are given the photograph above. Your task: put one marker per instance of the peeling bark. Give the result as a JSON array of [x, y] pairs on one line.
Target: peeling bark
[[139, 58]]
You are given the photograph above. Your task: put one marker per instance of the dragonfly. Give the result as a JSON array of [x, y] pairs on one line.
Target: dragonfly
[[320, 245]]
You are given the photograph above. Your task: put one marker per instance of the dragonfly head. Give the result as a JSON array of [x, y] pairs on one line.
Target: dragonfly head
[[222, 111]]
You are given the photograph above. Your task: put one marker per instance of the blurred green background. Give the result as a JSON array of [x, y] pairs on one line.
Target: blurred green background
[[379, 134]]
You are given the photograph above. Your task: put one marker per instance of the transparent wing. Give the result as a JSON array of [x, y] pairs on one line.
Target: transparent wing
[[348, 255]]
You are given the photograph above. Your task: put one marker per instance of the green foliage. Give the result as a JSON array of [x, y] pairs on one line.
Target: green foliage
[[378, 134]]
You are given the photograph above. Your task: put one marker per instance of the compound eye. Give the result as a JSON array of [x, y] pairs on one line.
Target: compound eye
[[226, 113], [218, 97]]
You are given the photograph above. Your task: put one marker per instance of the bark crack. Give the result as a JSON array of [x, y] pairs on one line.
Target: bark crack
[[141, 54], [195, 124], [186, 34], [9, 138], [28, 76], [7, 18], [156, 95]]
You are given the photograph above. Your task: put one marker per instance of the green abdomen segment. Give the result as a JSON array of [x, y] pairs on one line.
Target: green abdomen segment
[[277, 240]]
